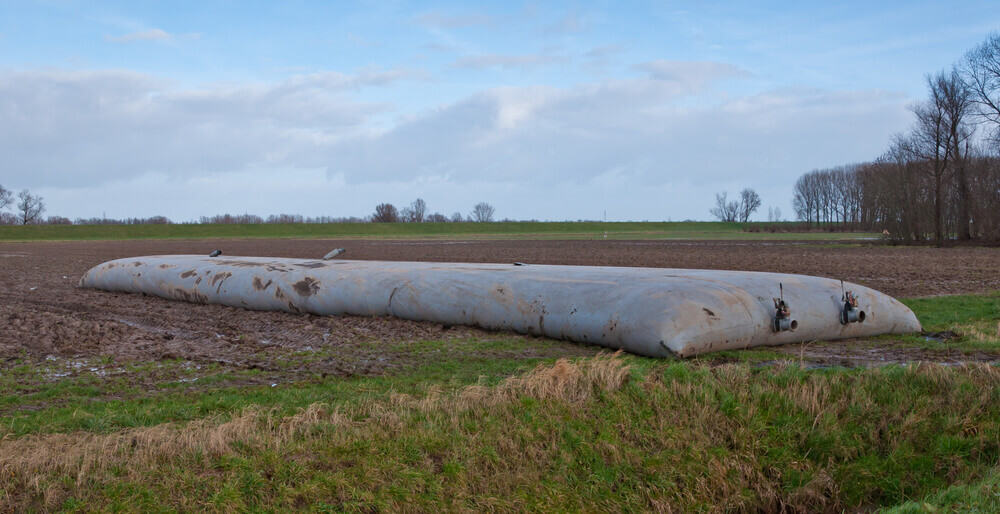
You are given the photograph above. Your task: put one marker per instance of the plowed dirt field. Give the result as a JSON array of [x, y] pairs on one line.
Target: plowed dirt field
[[44, 315]]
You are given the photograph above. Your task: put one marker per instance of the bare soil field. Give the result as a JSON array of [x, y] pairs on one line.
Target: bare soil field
[[44, 315]]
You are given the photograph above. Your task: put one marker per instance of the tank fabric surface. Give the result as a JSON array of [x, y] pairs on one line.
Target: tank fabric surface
[[656, 312]]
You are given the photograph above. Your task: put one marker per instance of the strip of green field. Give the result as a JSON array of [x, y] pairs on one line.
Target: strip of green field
[[466, 431], [502, 230]]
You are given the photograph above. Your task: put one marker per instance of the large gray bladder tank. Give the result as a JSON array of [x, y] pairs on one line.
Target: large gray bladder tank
[[648, 311]]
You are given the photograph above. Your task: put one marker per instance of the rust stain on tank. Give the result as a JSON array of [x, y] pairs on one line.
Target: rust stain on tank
[[311, 265], [189, 296], [307, 286], [189, 273], [240, 264], [221, 277], [137, 263], [279, 294], [260, 285]]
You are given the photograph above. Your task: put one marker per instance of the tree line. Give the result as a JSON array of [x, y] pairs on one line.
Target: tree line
[[29, 210], [940, 180], [416, 212]]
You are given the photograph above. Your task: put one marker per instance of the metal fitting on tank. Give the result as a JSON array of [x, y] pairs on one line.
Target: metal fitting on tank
[[782, 321], [333, 253], [851, 313]]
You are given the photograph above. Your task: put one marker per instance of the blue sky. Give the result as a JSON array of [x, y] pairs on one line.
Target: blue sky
[[548, 110]]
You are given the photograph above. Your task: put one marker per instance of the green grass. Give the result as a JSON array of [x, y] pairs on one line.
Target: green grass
[[680, 434], [469, 426], [975, 319], [107, 399], [941, 312], [980, 497], [534, 230]]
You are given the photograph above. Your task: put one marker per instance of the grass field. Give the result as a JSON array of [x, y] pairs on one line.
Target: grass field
[[534, 230], [467, 432]]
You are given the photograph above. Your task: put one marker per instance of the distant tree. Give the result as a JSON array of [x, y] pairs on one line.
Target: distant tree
[[482, 213], [773, 214], [437, 217], [418, 210], [385, 213], [58, 220], [6, 196], [749, 203], [724, 209], [29, 207], [457, 217]]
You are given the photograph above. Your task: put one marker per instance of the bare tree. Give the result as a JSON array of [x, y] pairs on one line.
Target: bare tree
[[457, 217], [956, 98], [981, 73], [749, 203], [437, 217], [414, 213], [6, 196], [418, 209], [804, 199], [725, 210], [482, 212], [385, 213], [933, 144], [29, 207]]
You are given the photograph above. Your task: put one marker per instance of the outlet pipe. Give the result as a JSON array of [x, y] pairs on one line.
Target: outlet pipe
[[647, 311]]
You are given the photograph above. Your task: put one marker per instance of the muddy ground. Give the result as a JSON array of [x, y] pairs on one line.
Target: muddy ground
[[43, 315]]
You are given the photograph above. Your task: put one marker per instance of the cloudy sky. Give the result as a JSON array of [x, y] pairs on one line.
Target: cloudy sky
[[546, 110]]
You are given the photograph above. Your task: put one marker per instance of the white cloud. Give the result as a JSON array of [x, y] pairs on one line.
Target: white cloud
[[440, 20], [148, 35], [693, 73], [85, 127], [503, 61], [635, 146], [571, 23], [603, 51]]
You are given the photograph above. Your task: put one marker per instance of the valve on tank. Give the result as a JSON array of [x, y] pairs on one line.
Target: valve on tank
[[850, 313], [333, 253], [782, 313]]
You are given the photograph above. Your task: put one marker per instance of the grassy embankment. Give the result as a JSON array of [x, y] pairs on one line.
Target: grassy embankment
[[473, 432], [500, 230]]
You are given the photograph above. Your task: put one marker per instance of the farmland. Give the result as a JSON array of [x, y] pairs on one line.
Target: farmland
[[125, 401], [500, 230]]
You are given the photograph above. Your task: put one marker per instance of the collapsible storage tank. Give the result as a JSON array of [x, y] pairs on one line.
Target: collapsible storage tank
[[648, 311]]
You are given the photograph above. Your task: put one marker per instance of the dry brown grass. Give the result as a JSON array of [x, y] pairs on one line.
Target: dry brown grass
[[28, 464]]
